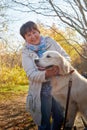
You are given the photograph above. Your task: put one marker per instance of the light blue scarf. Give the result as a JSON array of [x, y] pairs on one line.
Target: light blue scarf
[[39, 49]]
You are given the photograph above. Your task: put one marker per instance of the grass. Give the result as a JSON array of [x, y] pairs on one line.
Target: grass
[[16, 88], [8, 92]]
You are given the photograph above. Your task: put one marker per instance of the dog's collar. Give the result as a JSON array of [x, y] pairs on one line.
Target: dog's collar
[[71, 71], [67, 73]]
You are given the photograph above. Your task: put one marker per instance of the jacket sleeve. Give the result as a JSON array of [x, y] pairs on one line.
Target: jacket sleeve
[[59, 49], [30, 68]]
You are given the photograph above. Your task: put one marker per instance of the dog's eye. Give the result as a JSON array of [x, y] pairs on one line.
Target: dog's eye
[[48, 56]]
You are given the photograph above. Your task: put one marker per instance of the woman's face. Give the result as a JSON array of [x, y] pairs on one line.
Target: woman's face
[[33, 37]]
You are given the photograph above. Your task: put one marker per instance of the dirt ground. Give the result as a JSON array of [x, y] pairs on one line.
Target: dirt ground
[[14, 117]]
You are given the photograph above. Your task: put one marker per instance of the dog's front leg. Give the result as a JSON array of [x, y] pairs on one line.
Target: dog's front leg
[[71, 114]]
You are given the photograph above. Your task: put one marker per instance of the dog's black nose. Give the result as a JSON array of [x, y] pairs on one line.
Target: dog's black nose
[[36, 61]]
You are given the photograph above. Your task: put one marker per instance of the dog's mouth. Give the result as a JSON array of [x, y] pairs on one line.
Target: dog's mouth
[[41, 67], [44, 68]]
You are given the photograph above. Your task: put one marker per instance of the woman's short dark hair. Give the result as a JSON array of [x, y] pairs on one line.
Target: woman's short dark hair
[[27, 27]]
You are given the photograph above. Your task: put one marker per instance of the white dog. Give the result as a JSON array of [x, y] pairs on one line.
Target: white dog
[[78, 99]]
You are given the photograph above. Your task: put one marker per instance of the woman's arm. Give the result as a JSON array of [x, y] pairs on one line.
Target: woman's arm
[[30, 68]]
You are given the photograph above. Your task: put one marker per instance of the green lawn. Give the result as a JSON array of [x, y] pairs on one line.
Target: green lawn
[[8, 92], [15, 88]]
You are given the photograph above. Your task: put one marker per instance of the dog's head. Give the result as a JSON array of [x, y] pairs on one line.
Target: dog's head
[[51, 58]]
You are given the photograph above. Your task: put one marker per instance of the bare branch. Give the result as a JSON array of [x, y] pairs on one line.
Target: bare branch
[[80, 7], [72, 13], [67, 41]]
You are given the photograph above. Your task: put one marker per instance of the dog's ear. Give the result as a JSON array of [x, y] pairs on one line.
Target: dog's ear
[[64, 66]]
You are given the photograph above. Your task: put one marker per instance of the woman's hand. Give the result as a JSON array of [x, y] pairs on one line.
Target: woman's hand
[[53, 71]]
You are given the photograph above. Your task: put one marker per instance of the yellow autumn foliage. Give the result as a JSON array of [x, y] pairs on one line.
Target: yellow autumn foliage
[[12, 76]]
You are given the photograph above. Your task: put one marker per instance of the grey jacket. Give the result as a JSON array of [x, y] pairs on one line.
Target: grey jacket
[[36, 77]]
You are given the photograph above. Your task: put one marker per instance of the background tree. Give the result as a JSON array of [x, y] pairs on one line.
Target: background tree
[[72, 14], [3, 17]]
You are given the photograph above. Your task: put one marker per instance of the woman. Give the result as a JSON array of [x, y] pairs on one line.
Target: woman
[[40, 102]]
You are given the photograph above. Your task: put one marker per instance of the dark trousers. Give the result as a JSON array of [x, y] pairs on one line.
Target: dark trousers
[[51, 109]]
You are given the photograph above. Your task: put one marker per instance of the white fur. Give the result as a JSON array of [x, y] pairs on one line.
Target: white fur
[[78, 99]]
